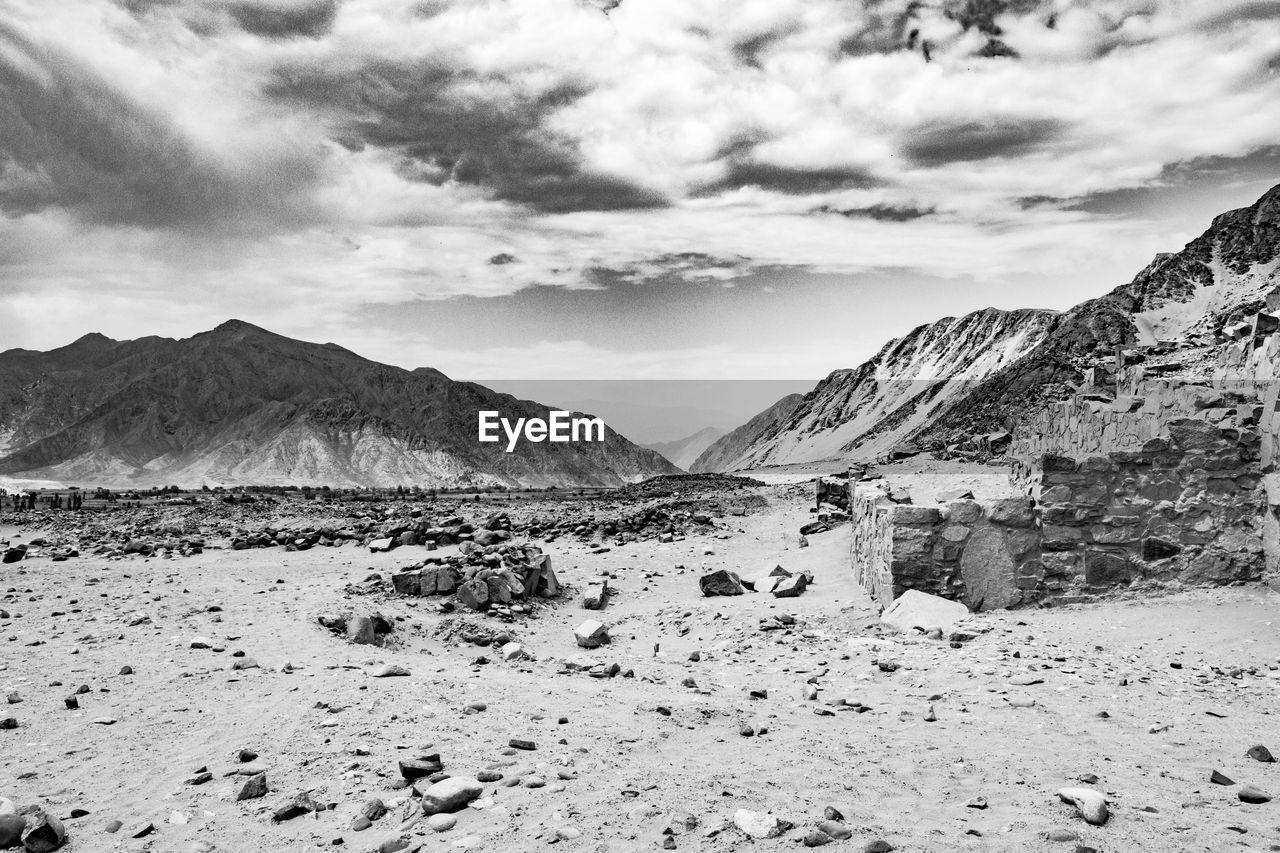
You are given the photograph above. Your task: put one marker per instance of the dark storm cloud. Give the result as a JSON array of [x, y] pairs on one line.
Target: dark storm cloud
[[271, 19], [429, 115], [70, 140], [749, 50], [275, 21], [880, 212], [1201, 176], [789, 180], [965, 142]]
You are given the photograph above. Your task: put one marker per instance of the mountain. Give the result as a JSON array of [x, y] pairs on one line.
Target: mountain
[[684, 451], [726, 450], [948, 380], [241, 405]]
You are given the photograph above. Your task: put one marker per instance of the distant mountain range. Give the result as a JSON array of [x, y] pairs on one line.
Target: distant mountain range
[[241, 405], [958, 377], [684, 451]]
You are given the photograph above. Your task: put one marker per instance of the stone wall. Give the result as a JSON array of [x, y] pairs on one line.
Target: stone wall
[[871, 552], [985, 556], [1141, 410], [1187, 508]]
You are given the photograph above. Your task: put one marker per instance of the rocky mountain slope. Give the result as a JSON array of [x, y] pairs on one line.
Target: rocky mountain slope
[[241, 405], [684, 451], [949, 380], [725, 451]]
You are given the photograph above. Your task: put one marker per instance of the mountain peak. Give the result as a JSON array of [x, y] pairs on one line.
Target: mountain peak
[[237, 327]]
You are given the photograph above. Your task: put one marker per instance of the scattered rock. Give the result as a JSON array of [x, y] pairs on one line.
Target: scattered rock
[[1091, 805], [1253, 794], [253, 787], [450, 795], [591, 634]]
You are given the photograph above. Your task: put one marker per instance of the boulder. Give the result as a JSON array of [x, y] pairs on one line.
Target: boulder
[[361, 631], [759, 824], [591, 634], [450, 795], [914, 609], [596, 595], [790, 587], [11, 827], [721, 582], [408, 583], [44, 833], [1091, 805], [474, 594]]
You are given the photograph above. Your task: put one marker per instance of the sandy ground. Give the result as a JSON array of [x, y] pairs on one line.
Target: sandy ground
[[330, 728]]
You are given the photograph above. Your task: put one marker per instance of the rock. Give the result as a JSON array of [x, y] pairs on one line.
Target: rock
[[596, 595], [253, 787], [835, 829], [521, 743], [817, 838], [1253, 794], [877, 846], [44, 833], [361, 630], [418, 768], [390, 670], [380, 546], [474, 594], [450, 795], [1091, 805], [1260, 753], [914, 609], [591, 634], [297, 807], [442, 822], [1219, 779], [790, 587], [721, 582], [514, 651], [759, 824], [11, 827]]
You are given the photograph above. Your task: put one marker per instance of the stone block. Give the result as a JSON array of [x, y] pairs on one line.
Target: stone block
[[964, 512], [1012, 512], [916, 515], [1104, 568]]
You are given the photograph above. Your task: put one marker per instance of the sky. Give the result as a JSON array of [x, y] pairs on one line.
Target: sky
[[587, 189]]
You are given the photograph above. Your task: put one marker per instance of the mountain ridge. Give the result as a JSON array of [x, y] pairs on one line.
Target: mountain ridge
[[239, 404], [900, 395]]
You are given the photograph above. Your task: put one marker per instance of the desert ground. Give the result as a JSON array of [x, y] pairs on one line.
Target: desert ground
[[919, 744]]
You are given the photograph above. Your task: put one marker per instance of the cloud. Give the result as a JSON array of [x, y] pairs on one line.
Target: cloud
[[308, 159], [71, 140], [450, 125]]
